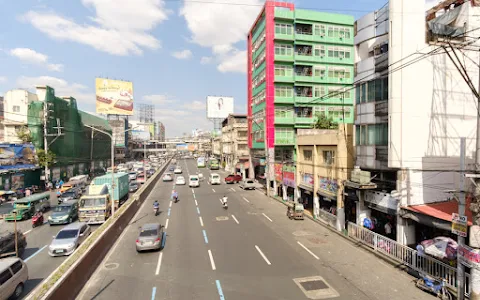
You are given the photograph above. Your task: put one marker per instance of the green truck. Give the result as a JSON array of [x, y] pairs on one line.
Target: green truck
[[120, 192]]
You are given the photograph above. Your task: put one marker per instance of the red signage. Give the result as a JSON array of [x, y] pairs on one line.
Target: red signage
[[278, 172]]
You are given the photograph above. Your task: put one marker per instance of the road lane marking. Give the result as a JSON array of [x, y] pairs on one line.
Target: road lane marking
[[166, 223], [267, 217], [235, 219], [263, 255], [193, 191], [205, 236], [220, 199], [212, 262], [28, 231], [154, 291], [233, 190], [159, 264], [170, 204], [201, 221], [308, 250], [196, 203], [246, 199], [33, 255], [198, 210], [169, 212], [219, 288], [213, 190]]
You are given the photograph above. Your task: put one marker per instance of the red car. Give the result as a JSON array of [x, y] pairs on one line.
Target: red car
[[233, 178]]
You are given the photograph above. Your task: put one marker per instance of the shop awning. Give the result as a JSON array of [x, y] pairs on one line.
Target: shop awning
[[306, 187], [441, 210]]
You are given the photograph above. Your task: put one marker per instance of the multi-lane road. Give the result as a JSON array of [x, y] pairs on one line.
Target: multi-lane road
[[250, 251]]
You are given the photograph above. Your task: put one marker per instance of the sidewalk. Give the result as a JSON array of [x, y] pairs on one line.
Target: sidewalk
[[376, 278]]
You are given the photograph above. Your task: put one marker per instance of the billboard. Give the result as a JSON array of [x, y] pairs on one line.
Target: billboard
[[114, 97], [182, 147], [192, 147], [16, 156], [151, 129], [118, 129], [140, 135], [219, 107]]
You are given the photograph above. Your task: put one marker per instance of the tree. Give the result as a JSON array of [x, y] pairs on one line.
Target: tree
[[324, 122], [24, 134], [45, 159]]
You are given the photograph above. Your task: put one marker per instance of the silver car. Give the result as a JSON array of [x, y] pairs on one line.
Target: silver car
[[151, 237], [68, 239], [247, 184]]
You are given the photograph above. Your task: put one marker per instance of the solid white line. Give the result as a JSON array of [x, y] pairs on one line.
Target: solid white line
[[196, 203], [235, 219], [166, 223], [263, 255], [213, 190], [170, 205], [267, 217], [201, 221], [157, 271], [308, 250], [193, 191], [246, 199], [211, 260]]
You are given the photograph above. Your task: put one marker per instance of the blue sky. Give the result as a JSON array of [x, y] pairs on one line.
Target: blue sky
[[175, 52]]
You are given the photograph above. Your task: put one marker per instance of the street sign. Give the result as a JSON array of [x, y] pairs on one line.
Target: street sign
[[459, 225]]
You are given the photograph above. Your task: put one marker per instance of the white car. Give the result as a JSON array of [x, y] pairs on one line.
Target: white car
[[193, 181], [177, 171], [214, 179], [167, 177], [180, 180]]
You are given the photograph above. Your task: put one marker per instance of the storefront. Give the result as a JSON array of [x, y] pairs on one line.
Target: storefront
[[278, 170], [288, 182], [327, 192], [259, 165], [351, 201], [306, 191], [383, 213], [243, 167]]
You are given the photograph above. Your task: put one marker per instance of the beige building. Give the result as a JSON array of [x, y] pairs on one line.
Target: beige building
[[235, 152], [217, 146], [325, 159]]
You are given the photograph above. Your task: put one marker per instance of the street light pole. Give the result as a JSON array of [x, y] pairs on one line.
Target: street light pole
[[144, 158], [16, 235]]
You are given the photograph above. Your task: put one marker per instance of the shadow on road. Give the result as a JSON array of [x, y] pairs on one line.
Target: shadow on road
[[30, 285], [29, 251], [104, 288]]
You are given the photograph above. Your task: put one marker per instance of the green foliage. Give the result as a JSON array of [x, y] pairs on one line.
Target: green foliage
[[45, 159], [324, 122], [24, 134]]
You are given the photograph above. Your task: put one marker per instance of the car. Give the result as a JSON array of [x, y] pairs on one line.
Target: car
[[151, 171], [68, 239], [132, 176], [200, 176], [167, 177], [139, 171], [151, 237], [193, 181], [214, 179], [177, 171], [71, 194], [64, 213], [7, 243], [132, 186], [233, 178], [172, 168], [180, 180], [247, 184]]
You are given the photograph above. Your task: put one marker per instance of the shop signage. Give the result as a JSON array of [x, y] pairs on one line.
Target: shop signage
[[16, 156], [263, 162], [381, 199], [459, 225], [468, 256], [278, 172], [327, 185], [307, 179], [18, 181], [289, 176]]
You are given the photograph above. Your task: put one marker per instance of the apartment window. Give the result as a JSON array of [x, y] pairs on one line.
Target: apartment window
[[284, 133], [372, 134], [283, 112], [320, 110], [304, 112], [381, 89], [319, 50], [242, 147], [319, 91], [308, 155], [242, 134], [339, 72], [338, 92], [283, 49], [371, 91], [16, 108], [344, 32], [283, 28], [319, 71], [339, 112], [283, 91], [363, 90], [339, 52], [259, 98], [282, 70], [339, 32], [319, 29], [328, 157]]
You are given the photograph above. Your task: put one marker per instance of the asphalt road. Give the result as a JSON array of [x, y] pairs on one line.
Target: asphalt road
[[250, 251]]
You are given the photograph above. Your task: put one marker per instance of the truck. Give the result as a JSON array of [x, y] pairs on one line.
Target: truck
[[120, 191], [95, 206]]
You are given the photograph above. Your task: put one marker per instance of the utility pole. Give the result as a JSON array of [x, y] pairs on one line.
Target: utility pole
[[267, 156], [45, 140], [461, 212]]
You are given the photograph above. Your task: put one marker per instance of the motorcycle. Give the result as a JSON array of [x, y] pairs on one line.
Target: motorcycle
[[224, 203], [175, 199], [37, 220], [155, 210], [434, 286]]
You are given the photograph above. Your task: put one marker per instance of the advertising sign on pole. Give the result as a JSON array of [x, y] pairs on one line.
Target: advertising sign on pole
[[219, 107], [114, 97], [459, 225], [118, 129]]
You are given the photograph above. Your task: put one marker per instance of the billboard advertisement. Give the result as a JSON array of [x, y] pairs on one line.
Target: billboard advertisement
[[118, 129], [192, 147], [151, 129], [140, 135], [14, 156], [114, 97], [219, 107], [182, 147]]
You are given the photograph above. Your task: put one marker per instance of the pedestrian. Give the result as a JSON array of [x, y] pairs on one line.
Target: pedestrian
[[28, 192]]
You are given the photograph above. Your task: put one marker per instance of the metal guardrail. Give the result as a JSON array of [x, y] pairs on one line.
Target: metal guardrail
[[407, 256]]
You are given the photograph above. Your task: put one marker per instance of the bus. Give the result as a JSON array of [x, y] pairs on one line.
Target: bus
[[201, 162], [213, 164]]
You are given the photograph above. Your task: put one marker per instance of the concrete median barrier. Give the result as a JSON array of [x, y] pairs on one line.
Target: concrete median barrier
[[70, 277]]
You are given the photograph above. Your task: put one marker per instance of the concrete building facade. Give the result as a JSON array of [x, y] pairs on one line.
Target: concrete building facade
[[235, 150]]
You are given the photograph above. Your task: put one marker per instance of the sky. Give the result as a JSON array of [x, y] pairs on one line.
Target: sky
[[175, 52]]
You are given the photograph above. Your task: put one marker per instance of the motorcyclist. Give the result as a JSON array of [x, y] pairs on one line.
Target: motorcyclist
[[156, 205], [224, 200], [175, 195]]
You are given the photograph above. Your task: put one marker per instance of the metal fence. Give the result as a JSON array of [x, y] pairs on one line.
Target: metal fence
[[407, 256], [327, 217]]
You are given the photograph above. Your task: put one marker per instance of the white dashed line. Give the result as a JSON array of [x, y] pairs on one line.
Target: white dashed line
[[193, 191], [212, 262], [170, 205], [196, 203], [233, 190], [166, 223], [159, 264], [201, 221], [263, 255], [213, 190], [308, 250], [245, 199], [235, 219], [267, 217], [27, 232]]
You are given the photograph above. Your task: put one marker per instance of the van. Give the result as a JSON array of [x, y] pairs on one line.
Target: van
[[214, 178], [13, 275], [193, 181]]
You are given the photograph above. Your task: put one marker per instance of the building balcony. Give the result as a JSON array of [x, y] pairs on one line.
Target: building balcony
[[366, 157], [304, 122], [301, 99], [284, 37], [381, 62], [284, 100], [284, 141], [283, 14], [284, 58], [381, 153], [289, 79], [381, 109], [284, 120], [308, 58]]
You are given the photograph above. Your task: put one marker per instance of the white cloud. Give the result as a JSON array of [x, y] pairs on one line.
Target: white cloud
[[195, 105], [3, 79], [184, 54], [30, 56], [220, 27], [157, 99], [85, 98], [205, 60], [117, 28]]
